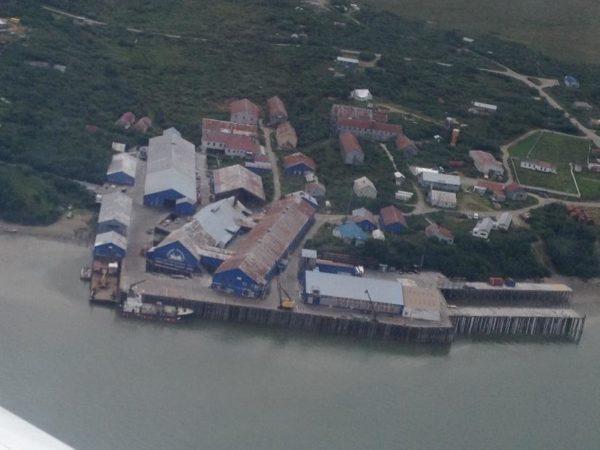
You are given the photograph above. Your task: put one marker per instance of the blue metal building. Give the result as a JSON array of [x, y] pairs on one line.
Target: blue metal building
[[262, 252], [122, 169], [110, 245], [171, 174]]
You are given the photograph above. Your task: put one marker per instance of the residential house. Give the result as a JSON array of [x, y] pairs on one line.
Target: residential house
[[369, 129], [351, 233], [486, 164], [286, 136], [244, 112], [440, 233], [277, 111], [496, 190], [298, 164], [483, 228], [143, 125], [364, 219], [126, 120], [352, 152], [363, 187], [442, 199], [515, 192], [406, 145], [354, 112], [392, 220], [315, 189]]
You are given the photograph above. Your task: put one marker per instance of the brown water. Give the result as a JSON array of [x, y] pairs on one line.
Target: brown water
[[97, 381]]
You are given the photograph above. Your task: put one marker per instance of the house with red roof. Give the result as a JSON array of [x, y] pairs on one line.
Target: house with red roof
[[277, 111], [496, 190], [143, 125], [352, 152], [486, 164], [298, 164], [406, 145], [126, 120], [392, 220], [244, 112], [440, 233], [286, 137], [369, 129]]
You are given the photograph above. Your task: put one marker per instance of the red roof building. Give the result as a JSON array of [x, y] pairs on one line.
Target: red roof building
[[298, 164], [143, 125], [495, 189], [237, 145], [406, 145], [352, 152], [277, 112], [355, 112], [126, 120], [391, 219], [440, 233], [228, 127], [369, 129], [286, 136], [244, 112]]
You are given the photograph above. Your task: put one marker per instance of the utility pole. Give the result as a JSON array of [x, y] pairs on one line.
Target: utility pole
[[373, 312]]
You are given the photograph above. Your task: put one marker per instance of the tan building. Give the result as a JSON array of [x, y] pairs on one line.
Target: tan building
[[286, 136]]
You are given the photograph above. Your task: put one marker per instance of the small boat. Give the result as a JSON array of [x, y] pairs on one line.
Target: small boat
[[86, 273], [135, 308]]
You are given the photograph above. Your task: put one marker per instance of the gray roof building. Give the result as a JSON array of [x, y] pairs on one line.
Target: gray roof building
[[171, 165], [222, 220], [237, 179], [115, 213]]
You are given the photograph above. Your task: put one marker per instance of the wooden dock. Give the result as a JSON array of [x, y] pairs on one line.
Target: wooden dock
[[562, 323]]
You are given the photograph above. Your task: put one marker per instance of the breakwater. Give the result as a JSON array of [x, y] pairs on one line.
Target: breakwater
[[307, 321]]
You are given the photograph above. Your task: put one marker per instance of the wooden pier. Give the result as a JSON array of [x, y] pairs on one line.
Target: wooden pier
[[518, 322]]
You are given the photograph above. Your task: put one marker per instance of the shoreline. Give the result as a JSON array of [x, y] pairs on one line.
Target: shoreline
[[76, 230]]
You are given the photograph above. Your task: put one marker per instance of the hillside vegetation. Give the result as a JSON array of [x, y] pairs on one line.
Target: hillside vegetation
[[566, 29], [179, 61]]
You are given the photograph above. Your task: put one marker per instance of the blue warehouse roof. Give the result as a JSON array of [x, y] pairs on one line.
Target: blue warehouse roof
[[350, 230]]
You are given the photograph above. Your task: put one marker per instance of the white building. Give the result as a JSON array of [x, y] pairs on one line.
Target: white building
[[399, 177], [403, 196], [483, 228], [439, 181], [361, 95], [363, 187], [485, 107], [441, 199], [504, 221], [538, 166]]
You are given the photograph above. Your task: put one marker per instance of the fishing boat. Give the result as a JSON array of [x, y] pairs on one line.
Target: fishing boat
[[135, 308]]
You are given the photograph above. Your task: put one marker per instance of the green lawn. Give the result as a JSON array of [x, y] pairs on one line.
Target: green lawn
[[559, 150]]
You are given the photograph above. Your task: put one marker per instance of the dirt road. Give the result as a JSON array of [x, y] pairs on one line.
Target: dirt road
[[273, 160]]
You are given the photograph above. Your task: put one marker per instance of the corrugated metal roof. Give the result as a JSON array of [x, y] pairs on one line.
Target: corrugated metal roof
[[111, 237], [196, 240], [244, 105], [260, 250], [430, 177], [349, 143], [345, 286], [356, 112], [223, 219], [171, 165], [115, 206], [276, 107], [391, 214], [123, 162], [232, 178]]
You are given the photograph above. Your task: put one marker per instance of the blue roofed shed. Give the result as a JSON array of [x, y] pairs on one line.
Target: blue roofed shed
[[350, 232]]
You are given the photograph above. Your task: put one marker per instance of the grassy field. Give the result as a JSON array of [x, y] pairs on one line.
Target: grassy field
[[559, 150], [565, 29]]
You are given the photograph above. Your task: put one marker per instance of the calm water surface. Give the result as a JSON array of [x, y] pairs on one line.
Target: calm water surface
[[97, 381]]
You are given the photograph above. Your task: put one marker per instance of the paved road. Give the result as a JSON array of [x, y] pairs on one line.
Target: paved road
[[273, 160]]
